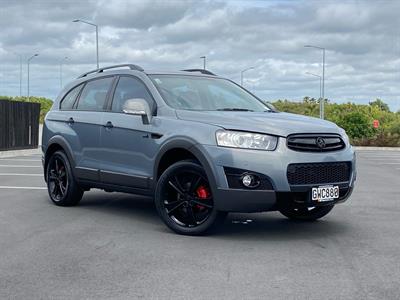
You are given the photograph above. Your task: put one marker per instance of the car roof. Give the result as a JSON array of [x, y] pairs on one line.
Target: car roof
[[182, 72], [135, 69], [131, 70]]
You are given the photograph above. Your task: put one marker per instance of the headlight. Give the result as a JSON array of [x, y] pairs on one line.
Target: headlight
[[246, 140], [345, 136]]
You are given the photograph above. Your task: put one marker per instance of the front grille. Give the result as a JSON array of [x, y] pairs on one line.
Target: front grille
[[315, 142], [318, 173]]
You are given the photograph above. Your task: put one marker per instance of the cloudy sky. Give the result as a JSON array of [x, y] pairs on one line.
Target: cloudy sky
[[362, 39]]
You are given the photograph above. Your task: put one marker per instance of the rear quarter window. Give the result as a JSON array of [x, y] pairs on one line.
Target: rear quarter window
[[68, 102]]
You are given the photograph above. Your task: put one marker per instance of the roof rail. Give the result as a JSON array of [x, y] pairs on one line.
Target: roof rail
[[100, 70], [202, 71]]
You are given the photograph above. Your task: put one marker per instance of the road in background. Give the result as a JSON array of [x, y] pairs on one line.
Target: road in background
[[114, 245]]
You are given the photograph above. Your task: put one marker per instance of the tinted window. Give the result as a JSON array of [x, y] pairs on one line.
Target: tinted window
[[129, 88], [94, 94], [69, 99]]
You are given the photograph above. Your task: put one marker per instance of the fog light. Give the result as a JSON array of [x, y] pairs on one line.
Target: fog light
[[248, 180]]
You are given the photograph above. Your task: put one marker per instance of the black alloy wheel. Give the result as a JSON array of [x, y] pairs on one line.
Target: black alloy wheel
[[57, 179], [184, 199], [61, 185]]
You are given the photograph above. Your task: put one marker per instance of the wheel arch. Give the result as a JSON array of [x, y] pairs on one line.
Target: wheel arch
[[57, 143], [185, 149]]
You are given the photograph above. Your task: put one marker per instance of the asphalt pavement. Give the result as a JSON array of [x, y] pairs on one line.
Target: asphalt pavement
[[114, 246]]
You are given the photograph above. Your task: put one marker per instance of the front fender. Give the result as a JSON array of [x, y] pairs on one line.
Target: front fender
[[196, 150]]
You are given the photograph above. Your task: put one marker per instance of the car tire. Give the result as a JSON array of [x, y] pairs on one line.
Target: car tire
[[184, 200], [306, 214], [61, 184]]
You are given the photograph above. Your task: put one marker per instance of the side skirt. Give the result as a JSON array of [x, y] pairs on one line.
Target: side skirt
[[87, 184]]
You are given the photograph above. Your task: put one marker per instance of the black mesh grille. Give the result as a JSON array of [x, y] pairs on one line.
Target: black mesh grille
[[315, 142], [318, 173]]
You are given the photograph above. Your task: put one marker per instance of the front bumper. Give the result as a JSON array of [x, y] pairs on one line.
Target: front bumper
[[234, 200], [272, 164]]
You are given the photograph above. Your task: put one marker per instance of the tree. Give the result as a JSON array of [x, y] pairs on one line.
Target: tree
[[309, 100], [379, 103]]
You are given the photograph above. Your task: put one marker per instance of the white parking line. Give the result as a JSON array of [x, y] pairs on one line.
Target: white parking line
[[17, 174], [17, 166], [379, 159], [383, 159], [371, 155], [380, 156], [23, 187], [15, 159]]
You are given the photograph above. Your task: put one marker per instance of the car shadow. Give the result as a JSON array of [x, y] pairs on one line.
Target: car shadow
[[247, 226], [274, 226]]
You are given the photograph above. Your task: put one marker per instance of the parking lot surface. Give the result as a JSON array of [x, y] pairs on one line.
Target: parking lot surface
[[114, 246]]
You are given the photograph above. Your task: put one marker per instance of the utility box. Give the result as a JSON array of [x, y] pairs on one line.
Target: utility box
[[19, 125]]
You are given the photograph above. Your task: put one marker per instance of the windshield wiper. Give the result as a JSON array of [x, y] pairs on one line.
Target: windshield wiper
[[234, 109]]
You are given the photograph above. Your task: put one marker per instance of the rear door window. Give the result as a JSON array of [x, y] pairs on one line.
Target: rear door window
[[94, 94]]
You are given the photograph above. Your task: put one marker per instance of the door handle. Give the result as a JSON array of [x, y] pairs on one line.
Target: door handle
[[108, 125], [70, 121]]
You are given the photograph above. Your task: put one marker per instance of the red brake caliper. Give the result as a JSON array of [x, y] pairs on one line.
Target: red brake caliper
[[203, 193]]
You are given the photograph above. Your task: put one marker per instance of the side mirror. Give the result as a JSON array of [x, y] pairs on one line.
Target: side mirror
[[138, 107]]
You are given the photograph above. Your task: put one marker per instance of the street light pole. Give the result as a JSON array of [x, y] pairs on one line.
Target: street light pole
[[322, 102], [97, 46], [204, 61], [241, 75], [29, 61], [320, 91], [20, 73], [323, 85], [61, 63], [97, 38]]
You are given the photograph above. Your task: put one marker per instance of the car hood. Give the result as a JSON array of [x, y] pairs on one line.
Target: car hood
[[276, 123]]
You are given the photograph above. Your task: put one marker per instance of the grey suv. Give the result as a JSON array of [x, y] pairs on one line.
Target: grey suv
[[199, 144]]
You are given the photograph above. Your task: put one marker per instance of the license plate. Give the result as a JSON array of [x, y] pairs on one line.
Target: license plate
[[325, 193]]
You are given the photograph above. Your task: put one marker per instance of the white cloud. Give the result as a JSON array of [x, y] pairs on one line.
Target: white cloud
[[362, 40]]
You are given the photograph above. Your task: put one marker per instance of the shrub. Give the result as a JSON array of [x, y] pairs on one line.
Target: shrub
[[356, 119], [357, 125]]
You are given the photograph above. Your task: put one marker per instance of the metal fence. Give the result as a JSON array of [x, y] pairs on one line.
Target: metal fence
[[19, 125]]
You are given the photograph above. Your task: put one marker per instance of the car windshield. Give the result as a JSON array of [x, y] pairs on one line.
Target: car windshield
[[205, 94]]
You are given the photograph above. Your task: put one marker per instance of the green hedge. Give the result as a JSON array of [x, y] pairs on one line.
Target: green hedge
[[356, 119]]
